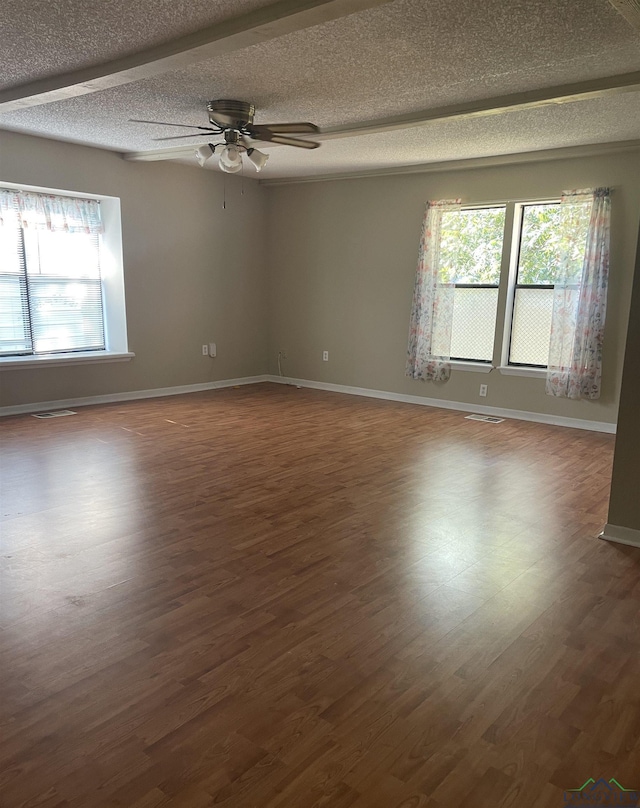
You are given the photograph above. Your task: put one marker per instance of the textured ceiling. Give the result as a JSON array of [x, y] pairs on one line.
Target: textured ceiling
[[44, 37], [412, 54], [398, 58]]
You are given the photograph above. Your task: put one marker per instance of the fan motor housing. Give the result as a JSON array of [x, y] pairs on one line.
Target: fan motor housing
[[227, 113]]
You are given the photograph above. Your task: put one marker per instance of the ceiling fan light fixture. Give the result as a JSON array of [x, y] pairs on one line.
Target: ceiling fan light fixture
[[203, 153], [230, 169], [258, 158], [230, 159]]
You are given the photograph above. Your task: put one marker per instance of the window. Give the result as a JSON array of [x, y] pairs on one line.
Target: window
[[545, 280], [61, 279], [540, 230], [51, 292], [470, 257]]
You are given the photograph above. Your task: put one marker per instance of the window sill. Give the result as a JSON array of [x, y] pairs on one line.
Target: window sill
[[534, 373], [56, 360], [478, 367]]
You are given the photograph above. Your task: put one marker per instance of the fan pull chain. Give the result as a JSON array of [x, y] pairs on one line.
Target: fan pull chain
[[224, 191]]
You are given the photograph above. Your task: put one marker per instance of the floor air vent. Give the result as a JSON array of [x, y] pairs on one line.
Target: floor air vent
[[490, 419], [56, 414]]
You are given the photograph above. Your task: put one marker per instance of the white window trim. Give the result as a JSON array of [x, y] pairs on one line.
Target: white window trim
[[54, 360], [112, 274], [523, 370], [477, 367]]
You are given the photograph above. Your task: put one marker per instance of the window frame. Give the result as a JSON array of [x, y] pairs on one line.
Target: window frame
[[511, 245], [518, 222], [113, 290], [509, 279], [484, 365]]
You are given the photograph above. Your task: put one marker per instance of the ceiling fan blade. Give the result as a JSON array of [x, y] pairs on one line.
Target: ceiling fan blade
[[264, 133], [301, 128], [178, 137], [292, 141], [166, 123]]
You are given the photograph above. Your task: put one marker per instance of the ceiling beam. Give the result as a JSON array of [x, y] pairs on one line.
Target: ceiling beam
[[275, 20], [630, 10], [500, 105], [513, 158]]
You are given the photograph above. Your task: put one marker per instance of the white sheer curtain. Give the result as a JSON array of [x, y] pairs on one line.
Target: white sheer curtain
[[47, 212], [580, 296], [432, 306]]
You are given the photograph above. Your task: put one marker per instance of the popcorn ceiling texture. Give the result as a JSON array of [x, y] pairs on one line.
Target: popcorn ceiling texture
[[405, 56], [44, 37], [411, 55]]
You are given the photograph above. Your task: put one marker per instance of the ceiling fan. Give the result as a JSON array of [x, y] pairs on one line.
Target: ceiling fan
[[234, 121]]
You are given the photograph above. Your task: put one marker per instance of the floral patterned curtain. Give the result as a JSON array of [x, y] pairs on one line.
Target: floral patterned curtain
[[580, 296], [432, 307], [8, 209], [45, 212]]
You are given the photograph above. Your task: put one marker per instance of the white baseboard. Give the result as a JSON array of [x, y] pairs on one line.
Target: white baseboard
[[521, 415], [132, 395], [158, 392], [621, 535]]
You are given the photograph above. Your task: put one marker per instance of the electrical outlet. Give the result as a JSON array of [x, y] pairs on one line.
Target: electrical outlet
[[483, 390], [205, 350], [282, 354], [325, 356], [213, 351]]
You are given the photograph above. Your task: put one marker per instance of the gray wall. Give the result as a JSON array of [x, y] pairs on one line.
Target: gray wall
[[624, 503], [341, 264], [194, 273], [342, 259]]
